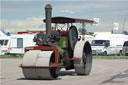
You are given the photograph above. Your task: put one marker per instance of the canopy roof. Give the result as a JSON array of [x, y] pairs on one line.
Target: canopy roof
[[70, 20]]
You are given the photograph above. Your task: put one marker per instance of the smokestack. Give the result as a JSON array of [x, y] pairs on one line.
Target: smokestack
[[48, 13]]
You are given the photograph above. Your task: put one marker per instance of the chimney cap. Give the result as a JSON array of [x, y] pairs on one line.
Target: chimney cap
[[48, 6]]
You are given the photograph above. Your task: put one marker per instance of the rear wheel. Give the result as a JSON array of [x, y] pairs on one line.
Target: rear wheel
[[73, 37], [126, 54], [121, 54], [105, 53], [84, 64], [87, 63]]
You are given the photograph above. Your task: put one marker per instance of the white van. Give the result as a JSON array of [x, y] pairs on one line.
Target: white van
[[109, 44]]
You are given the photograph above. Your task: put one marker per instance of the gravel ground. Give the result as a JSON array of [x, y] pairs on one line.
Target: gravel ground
[[104, 72]]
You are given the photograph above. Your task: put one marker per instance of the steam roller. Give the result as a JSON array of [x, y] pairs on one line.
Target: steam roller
[[58, 47]]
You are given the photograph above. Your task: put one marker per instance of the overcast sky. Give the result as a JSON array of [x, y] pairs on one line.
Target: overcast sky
[[28, 14]]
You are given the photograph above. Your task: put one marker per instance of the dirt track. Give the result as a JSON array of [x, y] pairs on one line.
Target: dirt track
[[104, 72]]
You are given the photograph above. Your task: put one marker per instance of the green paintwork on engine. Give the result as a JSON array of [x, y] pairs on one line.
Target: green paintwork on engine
[[63, 42]]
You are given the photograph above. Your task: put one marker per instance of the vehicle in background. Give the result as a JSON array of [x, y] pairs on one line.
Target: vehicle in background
[[4, 45], [19, 42], [110, 44], [99, 47], [125, 49], [88, 38], [4, 42]]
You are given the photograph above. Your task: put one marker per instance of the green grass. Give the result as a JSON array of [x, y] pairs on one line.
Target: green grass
[[110, 57], [11, 56]]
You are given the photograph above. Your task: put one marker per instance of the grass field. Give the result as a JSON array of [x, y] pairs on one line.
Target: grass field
[[11, 56], [94, 57]]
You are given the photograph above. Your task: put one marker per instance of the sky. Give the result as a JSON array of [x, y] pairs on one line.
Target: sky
[[28, 14]]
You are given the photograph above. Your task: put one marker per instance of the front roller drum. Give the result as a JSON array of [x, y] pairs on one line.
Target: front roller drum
[[39, 73], [36, 65], [84, 64]]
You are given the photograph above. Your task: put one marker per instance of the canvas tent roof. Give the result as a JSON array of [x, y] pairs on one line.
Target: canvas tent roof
[[70, 20]]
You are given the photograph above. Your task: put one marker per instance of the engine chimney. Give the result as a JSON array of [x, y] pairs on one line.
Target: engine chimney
[[48, 13]]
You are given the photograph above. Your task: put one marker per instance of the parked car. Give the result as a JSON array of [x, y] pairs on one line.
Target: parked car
[[125, 48]]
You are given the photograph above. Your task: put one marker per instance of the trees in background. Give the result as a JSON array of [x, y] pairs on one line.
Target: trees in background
[[82, 31]]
